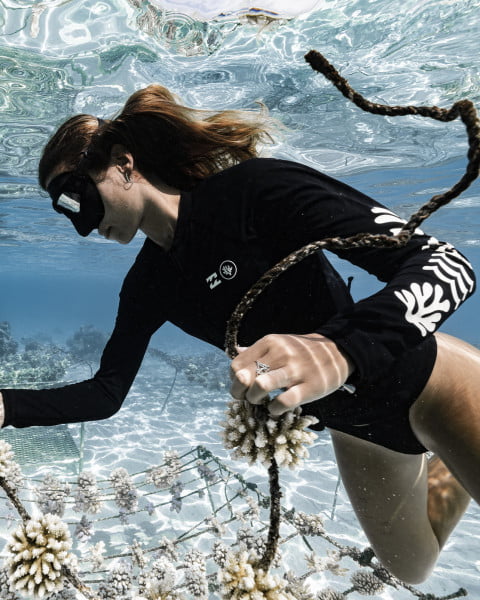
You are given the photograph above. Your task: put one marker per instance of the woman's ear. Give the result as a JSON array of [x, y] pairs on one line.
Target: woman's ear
[[123, 160], [121, 157]]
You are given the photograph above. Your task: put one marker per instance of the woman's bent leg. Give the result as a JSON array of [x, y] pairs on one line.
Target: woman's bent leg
[[446, 415], [447, 499], [389, 494]]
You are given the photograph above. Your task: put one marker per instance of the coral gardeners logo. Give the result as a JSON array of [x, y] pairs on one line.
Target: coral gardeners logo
[[227, 270]]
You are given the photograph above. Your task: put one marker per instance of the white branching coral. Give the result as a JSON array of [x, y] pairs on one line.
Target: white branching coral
[[206, 472], [242, 579], [330, 563], [6, 590], [167, 548], [299, 589], [68, 593], [158, 584], [196, 574], [52, 495], [308, 524], [38, 550], [252, 541], [126, 495], [165, 476], [252, 434], [330, 594], [367, 583], [219, 553], [87, 496], [117, 584], [9, 469], [252, 513], [216, 526], [84, 529], [138, 555], [97, 552]]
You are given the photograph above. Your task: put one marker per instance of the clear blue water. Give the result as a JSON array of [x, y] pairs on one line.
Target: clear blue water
[[62, 57], [88, 56]]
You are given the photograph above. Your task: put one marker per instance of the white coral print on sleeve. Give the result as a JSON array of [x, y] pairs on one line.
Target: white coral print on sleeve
[[424, 305], [386, 216], [451, 267]]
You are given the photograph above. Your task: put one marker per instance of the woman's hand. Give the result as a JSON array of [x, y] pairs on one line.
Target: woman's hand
[[307, 367]]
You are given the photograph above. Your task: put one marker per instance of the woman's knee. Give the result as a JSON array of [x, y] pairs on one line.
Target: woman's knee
[[412, 567]]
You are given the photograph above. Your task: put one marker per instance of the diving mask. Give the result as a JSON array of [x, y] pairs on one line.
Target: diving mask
[[76, 196]]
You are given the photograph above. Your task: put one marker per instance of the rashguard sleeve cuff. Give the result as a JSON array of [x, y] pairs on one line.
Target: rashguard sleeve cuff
[[367, 355]]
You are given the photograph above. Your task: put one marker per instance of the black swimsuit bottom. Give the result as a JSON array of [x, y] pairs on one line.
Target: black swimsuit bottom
[[378, 411]]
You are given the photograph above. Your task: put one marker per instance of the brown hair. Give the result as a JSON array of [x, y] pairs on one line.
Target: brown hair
[[178, 144]]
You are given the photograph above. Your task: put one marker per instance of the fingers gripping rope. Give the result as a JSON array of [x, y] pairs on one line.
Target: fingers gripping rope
[[464, 109]]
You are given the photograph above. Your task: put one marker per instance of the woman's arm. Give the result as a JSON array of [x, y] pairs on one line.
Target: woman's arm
[[140, 314], [426, 281], [93, 399]]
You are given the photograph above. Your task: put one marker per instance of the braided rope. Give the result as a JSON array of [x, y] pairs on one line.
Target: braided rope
[[464, 109]]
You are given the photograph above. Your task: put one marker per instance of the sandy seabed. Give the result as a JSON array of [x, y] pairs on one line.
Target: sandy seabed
[[156, 418]]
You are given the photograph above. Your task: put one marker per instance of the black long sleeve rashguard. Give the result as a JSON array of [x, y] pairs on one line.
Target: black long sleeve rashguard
[[232, 228]]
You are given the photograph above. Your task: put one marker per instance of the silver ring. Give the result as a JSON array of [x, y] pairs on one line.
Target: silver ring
[[261, 368]]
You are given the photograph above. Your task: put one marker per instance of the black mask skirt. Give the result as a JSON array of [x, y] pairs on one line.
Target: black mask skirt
[[76, 196]]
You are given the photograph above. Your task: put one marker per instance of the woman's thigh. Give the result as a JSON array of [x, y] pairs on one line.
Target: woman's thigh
[[388, 491], [446, 416]]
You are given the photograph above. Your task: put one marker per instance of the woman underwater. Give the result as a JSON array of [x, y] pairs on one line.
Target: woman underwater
[[216, 218]]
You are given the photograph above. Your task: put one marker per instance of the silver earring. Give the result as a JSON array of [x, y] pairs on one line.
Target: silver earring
[[128, 178]]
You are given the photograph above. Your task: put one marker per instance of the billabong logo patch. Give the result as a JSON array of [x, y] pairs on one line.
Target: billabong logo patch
[[226, 271]]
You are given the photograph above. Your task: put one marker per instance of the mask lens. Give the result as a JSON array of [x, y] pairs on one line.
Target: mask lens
[[76, 196]]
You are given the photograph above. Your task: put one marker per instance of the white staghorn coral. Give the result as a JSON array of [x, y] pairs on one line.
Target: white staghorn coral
[[196, 574], [6, 591], [138, 555], [159, 581], [117, 584], [219, 553], [38, 550], [167, 548], [330, 563], [330, 594], [84, 529], [308, 524], [68, 593], [126, 496], [252, 541], [51, 495], [87, 497], [9, 469], [242, 579], [299, 589], [6, 458], [216, 526], [253, 434], [96, 555], [165, 476]]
